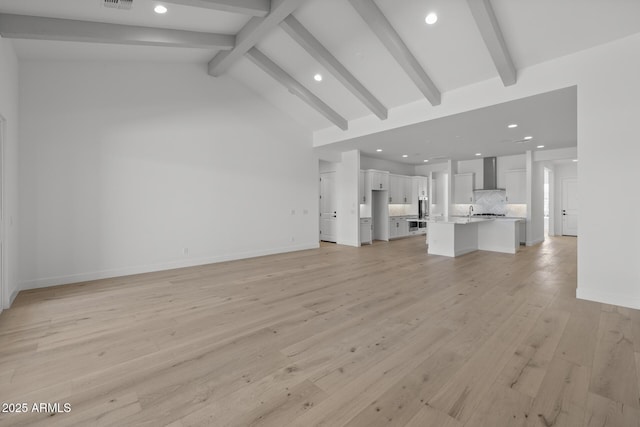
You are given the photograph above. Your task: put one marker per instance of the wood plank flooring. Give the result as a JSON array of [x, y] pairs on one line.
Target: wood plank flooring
[[383, 335]]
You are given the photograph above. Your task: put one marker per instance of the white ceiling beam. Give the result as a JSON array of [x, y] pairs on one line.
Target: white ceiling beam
[[383, 29], [313, 46], [487, 23], [245, 7], [38, 28], [254, 31], [271, 68]]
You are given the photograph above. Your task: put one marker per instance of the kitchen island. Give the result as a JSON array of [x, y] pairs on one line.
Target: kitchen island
[[455, 236]]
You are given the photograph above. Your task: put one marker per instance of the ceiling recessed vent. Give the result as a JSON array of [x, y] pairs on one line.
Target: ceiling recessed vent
[[118, 4]]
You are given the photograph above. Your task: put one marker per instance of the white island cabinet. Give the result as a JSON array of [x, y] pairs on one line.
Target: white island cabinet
[[455, 236]]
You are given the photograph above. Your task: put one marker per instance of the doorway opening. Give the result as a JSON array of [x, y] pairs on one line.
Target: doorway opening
[[380, 215]]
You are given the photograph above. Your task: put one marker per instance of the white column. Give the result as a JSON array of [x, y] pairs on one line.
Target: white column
[[348, 227]]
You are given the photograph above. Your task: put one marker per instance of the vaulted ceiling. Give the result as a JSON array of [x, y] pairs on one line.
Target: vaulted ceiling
[[373, 55]]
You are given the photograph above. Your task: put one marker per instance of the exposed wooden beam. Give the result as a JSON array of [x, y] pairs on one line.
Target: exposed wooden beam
[[271, 68], [34, 27], [245, 7], [487, 23], [251, 34], [313, 46], [383, 29]]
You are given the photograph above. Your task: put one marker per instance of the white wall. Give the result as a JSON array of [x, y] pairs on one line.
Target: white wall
[[425, 170], [125, 164], [386, 165], [9, 112], [327, 166]]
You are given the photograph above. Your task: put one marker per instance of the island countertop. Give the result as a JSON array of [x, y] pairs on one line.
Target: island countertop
[[456, 220], [464, 219]]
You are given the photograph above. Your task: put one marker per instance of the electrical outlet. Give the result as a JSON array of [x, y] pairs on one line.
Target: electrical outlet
[[293, 211], [185, 251]]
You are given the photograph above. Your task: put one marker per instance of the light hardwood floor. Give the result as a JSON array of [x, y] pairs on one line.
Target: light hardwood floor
[[338, 336]]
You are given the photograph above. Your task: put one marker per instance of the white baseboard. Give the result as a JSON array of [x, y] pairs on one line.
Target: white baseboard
[[348, 243], [608, 298], [149, 268], [13, 297], [465, 251], [535, 242]]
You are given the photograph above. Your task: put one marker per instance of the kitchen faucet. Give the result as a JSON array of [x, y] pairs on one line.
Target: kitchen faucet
[[470, 210]]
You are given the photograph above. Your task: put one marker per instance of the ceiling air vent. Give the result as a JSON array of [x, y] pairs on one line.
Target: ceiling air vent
[[118, 4]]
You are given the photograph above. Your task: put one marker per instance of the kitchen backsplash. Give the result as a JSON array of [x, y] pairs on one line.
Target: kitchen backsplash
[[492, 201], [403, 210]]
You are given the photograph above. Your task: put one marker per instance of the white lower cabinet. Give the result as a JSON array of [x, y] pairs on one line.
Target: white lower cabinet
[[393, 228], [399, 227], [366, 231]]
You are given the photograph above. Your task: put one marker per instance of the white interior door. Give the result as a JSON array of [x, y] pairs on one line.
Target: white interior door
[[328, 206], [570, 207]]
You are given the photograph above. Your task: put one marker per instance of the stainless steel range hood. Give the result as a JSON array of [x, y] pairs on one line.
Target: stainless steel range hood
[[490, 174]]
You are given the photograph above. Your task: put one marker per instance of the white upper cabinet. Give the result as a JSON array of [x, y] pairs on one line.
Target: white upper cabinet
[[407, 188], [396, 191], [516, 186], [400, 189], [361, 191], [378, 180], [423, 187], [463, 188]]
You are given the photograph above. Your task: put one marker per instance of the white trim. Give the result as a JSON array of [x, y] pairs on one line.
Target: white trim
[[149, 268], [608, 298]]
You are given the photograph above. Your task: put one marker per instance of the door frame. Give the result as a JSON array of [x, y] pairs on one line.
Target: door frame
[[552, 194]]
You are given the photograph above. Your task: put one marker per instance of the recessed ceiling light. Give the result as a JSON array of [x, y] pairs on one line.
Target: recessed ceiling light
[[318, 77], [379, 150], [540, 146], [527, 138], [405, 155], [425, 161], [431, 18], [478, 154], [513, 125], [575, 160], [160, 9]]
